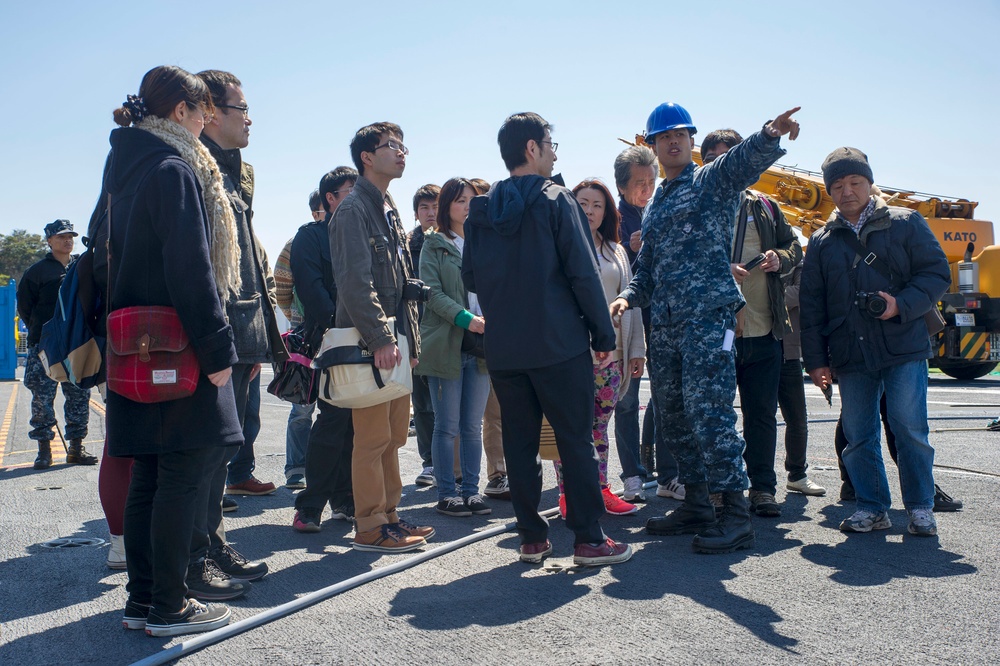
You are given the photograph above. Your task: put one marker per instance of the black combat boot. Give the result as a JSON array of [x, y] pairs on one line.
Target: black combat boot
[[44, 459], [77, 455], [733, 531], [691, 517]]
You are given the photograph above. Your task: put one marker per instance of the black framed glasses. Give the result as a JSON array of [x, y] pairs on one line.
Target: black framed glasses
[[554, 144], [393, 145], [245, 109]]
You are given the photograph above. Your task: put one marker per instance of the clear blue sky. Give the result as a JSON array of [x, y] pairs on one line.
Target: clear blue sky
[[913, 84]]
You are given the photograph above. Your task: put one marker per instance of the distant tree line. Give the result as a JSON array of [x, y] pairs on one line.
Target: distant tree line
[[18, 251]]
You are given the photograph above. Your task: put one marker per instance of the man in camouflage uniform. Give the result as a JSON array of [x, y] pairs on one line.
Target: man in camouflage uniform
[[37, 295], [682, 272]]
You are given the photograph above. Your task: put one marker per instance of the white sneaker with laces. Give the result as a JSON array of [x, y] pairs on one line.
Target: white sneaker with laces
[[922, 523], [634, 491], [673, 488]]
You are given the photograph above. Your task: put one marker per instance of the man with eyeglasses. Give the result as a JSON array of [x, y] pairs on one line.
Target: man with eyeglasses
[[683, 274], [371, 264], [257, 339], [328, 454], [530, 258]]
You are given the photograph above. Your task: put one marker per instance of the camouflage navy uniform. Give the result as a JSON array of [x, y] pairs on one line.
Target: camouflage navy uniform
[[43, 395], [683, 274]]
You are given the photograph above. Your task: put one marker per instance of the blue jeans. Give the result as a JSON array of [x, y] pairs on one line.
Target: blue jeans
[[300, 421], [905, 387], [627, 431], [458, 410]]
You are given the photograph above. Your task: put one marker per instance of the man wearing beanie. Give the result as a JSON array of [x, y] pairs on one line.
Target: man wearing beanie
[[869, 277]]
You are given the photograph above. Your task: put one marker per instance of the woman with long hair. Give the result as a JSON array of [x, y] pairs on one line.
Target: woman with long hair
[[458, 381], [629, 356], [172, 243]]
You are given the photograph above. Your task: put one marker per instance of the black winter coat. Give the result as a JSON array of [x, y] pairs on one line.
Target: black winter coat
[[38, 293], [312, 273], [835, 331], [160, 256], [529, 257]]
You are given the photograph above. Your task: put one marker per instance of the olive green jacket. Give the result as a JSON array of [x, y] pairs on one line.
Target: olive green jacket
[[440, 338]]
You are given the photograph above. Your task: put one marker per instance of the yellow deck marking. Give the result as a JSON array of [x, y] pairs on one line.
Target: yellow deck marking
[[5, 427], [97, 407]]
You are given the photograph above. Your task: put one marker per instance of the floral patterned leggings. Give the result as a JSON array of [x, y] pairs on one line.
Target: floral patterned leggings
[[606, 383]]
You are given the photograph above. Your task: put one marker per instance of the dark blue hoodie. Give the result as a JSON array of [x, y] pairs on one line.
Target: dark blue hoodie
[[530, 258]]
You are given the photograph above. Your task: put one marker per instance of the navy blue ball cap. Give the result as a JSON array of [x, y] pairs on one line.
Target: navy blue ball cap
[[59, 227]]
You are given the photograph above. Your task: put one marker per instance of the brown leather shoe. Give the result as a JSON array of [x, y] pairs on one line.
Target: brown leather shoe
[[387, 539], [78, 455]]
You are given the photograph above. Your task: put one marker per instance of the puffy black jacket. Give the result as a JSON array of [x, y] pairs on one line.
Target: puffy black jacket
[[312, 273], [836, 333], [530, 259], [38, 293]]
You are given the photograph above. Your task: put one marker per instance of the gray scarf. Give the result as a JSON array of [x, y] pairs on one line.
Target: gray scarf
[[224, 247]]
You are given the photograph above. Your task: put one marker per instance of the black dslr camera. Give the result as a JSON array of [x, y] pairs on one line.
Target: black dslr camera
[[416, 290], [871, 302]]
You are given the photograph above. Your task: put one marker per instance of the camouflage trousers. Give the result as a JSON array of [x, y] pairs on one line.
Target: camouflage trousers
[[693, 381], [43, 396]]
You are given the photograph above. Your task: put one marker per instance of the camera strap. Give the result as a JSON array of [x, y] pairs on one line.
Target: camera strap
[[868, 257]]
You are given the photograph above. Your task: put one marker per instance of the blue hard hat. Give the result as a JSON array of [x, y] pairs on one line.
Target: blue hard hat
[[668, 116]]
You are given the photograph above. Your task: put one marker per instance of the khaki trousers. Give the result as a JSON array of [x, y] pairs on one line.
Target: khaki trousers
[[379, 433]]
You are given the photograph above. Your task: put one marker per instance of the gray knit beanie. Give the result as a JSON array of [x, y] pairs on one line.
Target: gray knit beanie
[[845, 162]]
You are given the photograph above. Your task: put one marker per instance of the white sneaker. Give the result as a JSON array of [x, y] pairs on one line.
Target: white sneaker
[[633, 490], [116, 554], [806, 486], [673, 488], [922, 523], [426, 477]]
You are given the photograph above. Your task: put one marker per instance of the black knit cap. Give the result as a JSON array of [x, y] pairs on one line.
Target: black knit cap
[[845, 162]]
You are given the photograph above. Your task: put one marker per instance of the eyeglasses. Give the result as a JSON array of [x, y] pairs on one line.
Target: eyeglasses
[[554, 144], [394, 145], [245, 109], [346, 190]]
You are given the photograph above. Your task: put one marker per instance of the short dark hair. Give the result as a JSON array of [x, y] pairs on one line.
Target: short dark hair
[[482, 186], [451, 190], [315, 201], [612, 218], [367, 138], [640, 156], [729, 137], [429, 192], [332, 181], [162, 89], [218, 82], [514, 135]]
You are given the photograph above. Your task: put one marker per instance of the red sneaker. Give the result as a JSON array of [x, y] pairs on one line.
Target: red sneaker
[[615, 505], [251, 486], [595, 555], [533, 553]]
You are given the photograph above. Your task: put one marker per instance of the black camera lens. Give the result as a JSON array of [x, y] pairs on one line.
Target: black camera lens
[[876, 305]]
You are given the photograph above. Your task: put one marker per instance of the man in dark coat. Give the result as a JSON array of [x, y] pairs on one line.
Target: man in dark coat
[[257, 340], [530, 258], [869, 277], [328, 454], [37, 295]]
